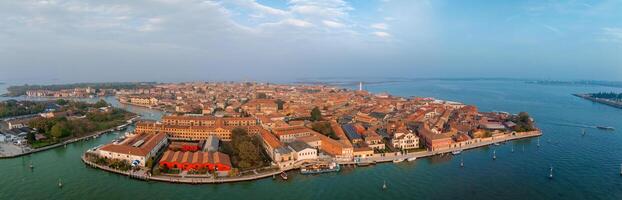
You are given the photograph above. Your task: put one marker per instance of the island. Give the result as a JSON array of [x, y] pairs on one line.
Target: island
[[616, 84], [77, 90], [220, 132], [608, 98], [33, 126]]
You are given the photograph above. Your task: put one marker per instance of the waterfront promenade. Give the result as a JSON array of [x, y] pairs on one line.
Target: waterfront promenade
[[421, 154], [189, 179]]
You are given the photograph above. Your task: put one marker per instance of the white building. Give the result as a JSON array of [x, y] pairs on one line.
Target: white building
[[303, 151], [405, 140], [135, 149]]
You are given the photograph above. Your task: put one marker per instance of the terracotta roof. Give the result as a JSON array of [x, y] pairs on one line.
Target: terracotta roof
[[291, 130], [125, 147], [271, 139]]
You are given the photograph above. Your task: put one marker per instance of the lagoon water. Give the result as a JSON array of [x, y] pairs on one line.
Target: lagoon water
[[585, 167]]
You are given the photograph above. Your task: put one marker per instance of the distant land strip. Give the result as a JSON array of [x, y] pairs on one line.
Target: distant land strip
[[19, 90], [609, 102], [616, 84]]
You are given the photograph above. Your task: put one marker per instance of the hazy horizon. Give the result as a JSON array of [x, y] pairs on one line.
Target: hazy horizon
[[70, 41]]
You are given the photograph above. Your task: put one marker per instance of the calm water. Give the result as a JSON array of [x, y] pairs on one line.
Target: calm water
[[586, 167]]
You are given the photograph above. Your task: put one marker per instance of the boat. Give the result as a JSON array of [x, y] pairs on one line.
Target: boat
[[551, 173], [496, 144], [364, 164], [31, 166], [456, 152], [398, 160], [607, 128], [494, 154], [384, 185], [284, 175], [273, 176], [411, 159], [60, 183], [583, 132], [461, 162], [320, 168]]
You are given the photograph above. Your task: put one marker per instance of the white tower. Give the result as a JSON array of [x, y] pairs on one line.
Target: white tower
[[360, 86]]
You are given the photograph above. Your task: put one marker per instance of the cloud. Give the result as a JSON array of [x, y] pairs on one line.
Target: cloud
[[551, 28], [320, 8], [381, 34], [332, 24], [296, 22], [612, 34], [380, 26], [151, 24]]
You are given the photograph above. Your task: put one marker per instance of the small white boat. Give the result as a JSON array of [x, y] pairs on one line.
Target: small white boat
[[384, 185], [411, 159], [461, 162], [398, 160], [494, 154], [284, 175], [456, 152], [60, 183], [551, 173]]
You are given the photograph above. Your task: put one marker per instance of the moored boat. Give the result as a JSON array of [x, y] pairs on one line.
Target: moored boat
[[608, 128], [320, 168], [456, 152], [284, 175], [411, 159], [399, 160]]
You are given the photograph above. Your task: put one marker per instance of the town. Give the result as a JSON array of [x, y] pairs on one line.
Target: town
[[216, 132], [32, 126]]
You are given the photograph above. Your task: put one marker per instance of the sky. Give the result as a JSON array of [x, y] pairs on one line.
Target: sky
[[61, 41]]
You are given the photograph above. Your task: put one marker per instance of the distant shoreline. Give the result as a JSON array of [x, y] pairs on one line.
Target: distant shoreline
[[599, 100]]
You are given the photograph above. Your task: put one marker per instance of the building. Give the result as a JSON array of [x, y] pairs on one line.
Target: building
[[263, 106], [186, 160], [144, 101], [404, 139], [211, 144], [199, 127], [136, 149], [303, 151], [435, 141], [351, 133], [289, 134]]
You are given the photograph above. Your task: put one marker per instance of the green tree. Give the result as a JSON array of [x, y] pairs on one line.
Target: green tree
[[316, 114], [325, 129], [30, 137], [279, 104], [61, 102], [246, 149], [60, 130], [101, 103], [262, 95]]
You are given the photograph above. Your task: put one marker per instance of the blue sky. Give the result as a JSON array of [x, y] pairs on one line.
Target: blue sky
[[279, 40]]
